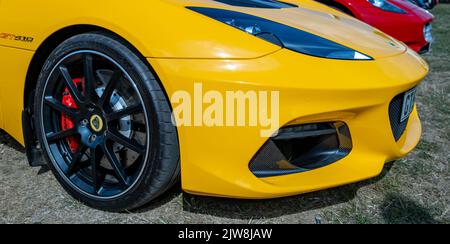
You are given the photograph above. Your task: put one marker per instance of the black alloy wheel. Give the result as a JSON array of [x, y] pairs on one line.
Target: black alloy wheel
[[99, 117]]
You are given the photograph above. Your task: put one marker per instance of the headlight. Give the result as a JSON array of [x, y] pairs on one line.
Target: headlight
[[427, 33], [385, 5], [283, 35]]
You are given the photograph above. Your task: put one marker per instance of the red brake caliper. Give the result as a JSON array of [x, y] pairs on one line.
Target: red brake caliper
[[67, 122]]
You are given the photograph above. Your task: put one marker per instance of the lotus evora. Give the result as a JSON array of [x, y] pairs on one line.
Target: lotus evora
[[88, 88]]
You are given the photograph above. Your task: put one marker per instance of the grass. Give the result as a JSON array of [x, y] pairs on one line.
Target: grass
[[412, 190]]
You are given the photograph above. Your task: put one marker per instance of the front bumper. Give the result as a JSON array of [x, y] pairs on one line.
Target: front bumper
[[215, 160]]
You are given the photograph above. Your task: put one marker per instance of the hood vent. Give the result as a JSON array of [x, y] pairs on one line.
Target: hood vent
[[258, 3]]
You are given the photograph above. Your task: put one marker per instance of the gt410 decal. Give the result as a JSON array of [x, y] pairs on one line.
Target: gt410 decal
[[13, 37]]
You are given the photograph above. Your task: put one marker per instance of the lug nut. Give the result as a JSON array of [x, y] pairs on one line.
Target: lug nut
[[93, 138], [84, 122]]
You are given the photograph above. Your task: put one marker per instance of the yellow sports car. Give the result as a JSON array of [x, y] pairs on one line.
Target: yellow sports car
[[242, 98]]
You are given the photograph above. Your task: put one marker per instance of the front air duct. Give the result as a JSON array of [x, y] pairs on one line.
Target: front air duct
[[302, 148]]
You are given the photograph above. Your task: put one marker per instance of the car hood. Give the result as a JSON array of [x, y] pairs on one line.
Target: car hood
[[321, 21]]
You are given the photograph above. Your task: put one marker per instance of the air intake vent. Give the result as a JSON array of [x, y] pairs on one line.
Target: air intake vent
[[395, 110], [258, 3], [302, 148]]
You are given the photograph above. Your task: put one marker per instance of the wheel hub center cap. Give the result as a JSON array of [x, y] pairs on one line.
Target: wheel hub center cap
[[96, 123]]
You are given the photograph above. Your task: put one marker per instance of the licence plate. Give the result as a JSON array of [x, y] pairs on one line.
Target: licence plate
[[408, 104]]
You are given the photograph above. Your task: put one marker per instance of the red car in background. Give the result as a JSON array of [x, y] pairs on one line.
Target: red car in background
[[399, 18]]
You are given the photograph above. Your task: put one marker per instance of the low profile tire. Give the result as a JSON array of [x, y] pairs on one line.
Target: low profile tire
[[104, 124]]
